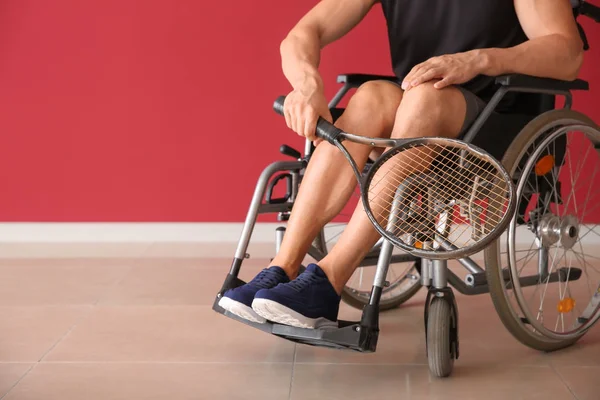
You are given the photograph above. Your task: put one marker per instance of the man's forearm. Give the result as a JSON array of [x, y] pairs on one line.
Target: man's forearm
[[300, 56], [553, 56]]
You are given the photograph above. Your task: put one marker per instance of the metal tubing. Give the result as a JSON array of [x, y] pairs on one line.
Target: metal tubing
[[385, 256], [259, 193], [470, 265], [485, 114], [466, 262], [543, 263], [339, 95], [279, 232], [295, 184], [307, 147], [439, 272], [497, 97], [383, 263], [425, 273]]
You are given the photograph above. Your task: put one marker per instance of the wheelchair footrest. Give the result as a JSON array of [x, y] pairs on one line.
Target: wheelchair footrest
[[347, 336]]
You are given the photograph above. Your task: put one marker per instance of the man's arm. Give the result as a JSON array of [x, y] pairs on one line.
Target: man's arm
[[554, 49], [300, 55]]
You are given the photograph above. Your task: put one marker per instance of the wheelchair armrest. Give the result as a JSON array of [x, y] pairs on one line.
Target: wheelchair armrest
[[355, 80], [531, 82]]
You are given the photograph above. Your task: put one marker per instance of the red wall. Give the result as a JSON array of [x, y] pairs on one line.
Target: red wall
[[156, 110]]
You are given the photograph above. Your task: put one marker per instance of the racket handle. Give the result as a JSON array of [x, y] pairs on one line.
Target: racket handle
[[325, 129]]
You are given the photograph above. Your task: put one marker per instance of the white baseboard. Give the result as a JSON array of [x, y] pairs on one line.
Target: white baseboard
[[132, 240], [58, 240], [131, 232]]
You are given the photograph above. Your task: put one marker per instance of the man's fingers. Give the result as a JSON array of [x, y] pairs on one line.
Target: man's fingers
[[310, 126], [287, 114], [447, 81], [297, 123], [426, 76], [413, 72]]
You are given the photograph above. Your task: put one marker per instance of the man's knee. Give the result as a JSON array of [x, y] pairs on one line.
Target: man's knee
[[426, 95], [376, 101], [376, 95], [446, 106]]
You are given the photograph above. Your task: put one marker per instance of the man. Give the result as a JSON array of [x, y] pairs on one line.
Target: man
[[444, 53]]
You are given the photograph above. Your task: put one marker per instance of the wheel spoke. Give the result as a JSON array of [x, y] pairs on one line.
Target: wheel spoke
[[543, 295]]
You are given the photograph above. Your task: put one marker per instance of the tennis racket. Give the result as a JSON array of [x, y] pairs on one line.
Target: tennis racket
[[436, 198]]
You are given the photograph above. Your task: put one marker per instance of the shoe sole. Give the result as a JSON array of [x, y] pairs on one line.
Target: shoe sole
[[241, 310], [273, 311]]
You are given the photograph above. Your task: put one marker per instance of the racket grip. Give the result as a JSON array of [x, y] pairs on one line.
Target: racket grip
[[325, 129]]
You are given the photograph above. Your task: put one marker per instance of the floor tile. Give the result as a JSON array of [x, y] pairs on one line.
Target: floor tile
[[209, 250], [58, 282], [484, 341], [332, 382], [586, 352], [176, 281], [171, 381], [72, 250], [401, 340], [10, 374], [168, 333], [584, 382], [27, 333]]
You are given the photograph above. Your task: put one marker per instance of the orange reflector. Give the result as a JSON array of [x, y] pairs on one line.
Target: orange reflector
[[565, 305], [418, 245], [544, 165]]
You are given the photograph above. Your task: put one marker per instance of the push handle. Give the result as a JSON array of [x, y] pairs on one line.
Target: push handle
[[289, 151], [325, 130], [590, 10]]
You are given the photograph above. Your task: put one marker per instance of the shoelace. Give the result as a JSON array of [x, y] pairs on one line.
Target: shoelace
[[266, 279], [303, 280]]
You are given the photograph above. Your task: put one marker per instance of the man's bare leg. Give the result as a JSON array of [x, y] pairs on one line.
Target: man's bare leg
[[329, 181], [424, 111]]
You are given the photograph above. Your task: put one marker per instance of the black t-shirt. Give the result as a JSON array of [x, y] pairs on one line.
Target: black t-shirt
[[421, 29]]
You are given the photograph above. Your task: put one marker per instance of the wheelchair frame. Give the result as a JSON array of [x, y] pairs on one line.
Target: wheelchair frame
[[362, 335]]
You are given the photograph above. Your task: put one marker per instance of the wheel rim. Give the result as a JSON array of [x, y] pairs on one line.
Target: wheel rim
[[556, 221]]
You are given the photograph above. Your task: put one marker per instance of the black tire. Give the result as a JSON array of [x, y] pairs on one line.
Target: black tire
[[510, 317], [439, 350]]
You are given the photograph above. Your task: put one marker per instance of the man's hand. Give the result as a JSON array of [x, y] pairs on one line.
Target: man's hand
[[325, 23], [302, 109], [452, 69]]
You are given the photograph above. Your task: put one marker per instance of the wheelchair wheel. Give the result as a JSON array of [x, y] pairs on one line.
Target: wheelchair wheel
[[543, 276], [403, 277], [439, 345]]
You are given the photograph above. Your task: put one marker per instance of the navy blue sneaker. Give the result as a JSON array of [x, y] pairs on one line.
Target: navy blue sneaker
[[309, 301], [238, 301]]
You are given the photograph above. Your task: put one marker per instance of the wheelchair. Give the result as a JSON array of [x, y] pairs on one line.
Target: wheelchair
[[544, 286]]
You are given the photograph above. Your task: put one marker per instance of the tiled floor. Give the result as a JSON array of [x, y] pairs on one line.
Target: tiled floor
[[143, 328]]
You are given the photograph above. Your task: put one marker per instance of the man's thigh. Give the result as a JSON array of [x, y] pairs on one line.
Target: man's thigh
[[379, 98]]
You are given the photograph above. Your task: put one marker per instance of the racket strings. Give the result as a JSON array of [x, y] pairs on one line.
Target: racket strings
[[416, 190], [439, 175], [397, 179], [389, 189]]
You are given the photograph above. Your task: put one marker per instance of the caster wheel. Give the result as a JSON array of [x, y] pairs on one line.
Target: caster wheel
[[440, 354]]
